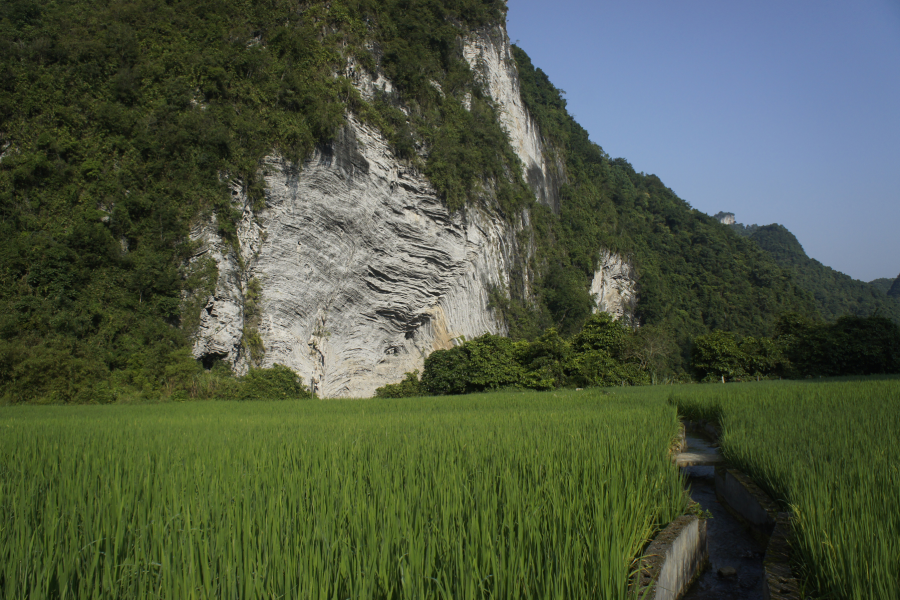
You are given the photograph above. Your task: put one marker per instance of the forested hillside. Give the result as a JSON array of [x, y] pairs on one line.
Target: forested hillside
[[835, 293], [123, 123]]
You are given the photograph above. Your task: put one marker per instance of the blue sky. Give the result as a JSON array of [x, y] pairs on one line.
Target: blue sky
[[779, 111]]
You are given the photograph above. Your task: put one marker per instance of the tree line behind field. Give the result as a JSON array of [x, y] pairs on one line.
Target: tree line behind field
[[608, 353], [801, 348]]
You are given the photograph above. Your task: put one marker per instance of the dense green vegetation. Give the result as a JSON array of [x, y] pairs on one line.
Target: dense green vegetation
[[882, 284], [835, 293], [608, 353], [720, 356], [891, 287], [695, 275], [121, 122], [125, 122], [604, 353], [501, 495], [823, 451]]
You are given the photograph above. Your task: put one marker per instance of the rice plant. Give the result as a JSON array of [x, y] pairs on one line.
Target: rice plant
[[828, 451], [490, 496]]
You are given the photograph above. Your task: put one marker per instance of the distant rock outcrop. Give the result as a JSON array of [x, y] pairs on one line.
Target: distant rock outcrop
[[726, 218], [490, 57], [614, 286]]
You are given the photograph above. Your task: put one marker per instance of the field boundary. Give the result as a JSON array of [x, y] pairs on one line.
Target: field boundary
[[673, 560], [677, 555], [747, 502], [751, 505], [780, 582]]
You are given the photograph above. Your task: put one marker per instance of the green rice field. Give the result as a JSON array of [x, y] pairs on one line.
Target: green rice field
[[505, 495], [519, 495], [831, 452]]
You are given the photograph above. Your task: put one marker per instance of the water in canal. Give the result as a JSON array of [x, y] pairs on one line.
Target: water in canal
[[735, 570]]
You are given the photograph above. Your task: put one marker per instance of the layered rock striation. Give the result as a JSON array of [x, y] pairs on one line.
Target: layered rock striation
[[222, 321]]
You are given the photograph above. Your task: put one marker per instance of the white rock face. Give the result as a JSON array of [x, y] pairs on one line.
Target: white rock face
[[614, 286], [363, 270], [364, 83], [490, 57], [222, 320]]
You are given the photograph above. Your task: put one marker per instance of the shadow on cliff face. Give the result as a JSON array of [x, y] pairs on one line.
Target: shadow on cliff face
[[343, 153], [210, 359]]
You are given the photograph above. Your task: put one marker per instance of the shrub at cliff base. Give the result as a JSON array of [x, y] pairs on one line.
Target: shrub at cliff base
[[183, 379], [596, 356], [487, 362], [275, 383], [410, 387]]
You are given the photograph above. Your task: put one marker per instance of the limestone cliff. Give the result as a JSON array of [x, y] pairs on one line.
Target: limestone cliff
[[489, 56], [362, 269], [222, 319]]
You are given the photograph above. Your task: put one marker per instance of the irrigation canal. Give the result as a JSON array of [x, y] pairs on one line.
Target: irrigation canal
[[735, 569]]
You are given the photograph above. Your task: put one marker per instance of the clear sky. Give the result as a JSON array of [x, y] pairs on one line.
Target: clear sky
[[782, 111]]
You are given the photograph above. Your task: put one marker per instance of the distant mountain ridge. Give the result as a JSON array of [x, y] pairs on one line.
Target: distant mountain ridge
[[835, 293], [894, 292]]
